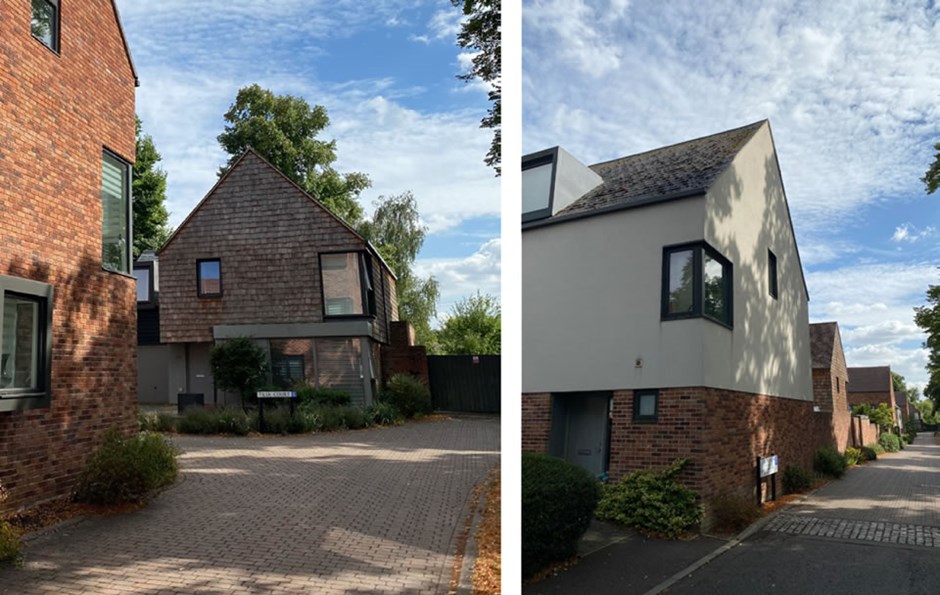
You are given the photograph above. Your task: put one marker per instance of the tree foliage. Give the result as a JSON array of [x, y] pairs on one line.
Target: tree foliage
[[396, 232], [900, 385], [480, 32], [931, 179], [882, 415], [149, 195], [239, 365], [928, 318], [284, 130], [473, 327]]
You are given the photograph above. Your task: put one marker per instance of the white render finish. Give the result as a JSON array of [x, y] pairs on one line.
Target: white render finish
[[591, 294]]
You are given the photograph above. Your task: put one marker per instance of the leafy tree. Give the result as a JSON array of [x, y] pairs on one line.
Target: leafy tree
[[239, 365], [481, 32], [931, 179], [396, 232], [284, 130], [473, 327], [882, 416], [900, 385], [927, 410], [928, 318], [149, 194]]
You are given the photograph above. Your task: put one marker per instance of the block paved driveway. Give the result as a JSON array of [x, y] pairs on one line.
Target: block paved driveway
[[371, 511]]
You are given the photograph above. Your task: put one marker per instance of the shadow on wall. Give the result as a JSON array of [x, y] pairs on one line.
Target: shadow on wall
[[93, 380]]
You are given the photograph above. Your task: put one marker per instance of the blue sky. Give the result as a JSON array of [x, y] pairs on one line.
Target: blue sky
[[384, 70], [852, 93]]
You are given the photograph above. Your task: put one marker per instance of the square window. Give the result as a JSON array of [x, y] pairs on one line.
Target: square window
[[209, 277], [115, 214], [772, 273], [645, 406], [25, 338], [44, 24]]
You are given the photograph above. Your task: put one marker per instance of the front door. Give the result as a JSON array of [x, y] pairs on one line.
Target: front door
[[585, 429]]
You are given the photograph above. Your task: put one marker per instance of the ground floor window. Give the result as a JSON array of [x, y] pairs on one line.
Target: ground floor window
[[25, 343]]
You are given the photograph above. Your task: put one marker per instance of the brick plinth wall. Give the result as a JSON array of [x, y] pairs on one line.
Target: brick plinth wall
[[58, 113], [864, 432], [536, 421], [401, 355]]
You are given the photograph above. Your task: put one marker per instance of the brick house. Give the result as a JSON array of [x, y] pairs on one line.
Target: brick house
[[830, 382], [67, 346], [665, 312], [259, 257], [872, 385]]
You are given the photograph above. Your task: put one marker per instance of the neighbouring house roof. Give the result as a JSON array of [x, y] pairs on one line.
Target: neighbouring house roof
[[822, 339], [676, 171], [900, 398], [875, 379]]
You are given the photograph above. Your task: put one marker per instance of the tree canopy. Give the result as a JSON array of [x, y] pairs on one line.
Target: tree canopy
[[284, 129], [396, 232], [931, 179], [149, 195], [480, 32], [928, 318], [239, 365], [473, 327]]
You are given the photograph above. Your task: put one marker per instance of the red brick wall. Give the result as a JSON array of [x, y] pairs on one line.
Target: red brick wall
[[402, 356], [864, 432], [536, 422], [268, 235], [58, 112]]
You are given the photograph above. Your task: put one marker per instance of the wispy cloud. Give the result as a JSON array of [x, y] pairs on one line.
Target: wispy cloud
[[908, 232], [462, 277]]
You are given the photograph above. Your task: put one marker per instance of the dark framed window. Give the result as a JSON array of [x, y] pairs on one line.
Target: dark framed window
[[44, 24], [696, 283], [772, 273], [144, 276], [645, 406], [346, 281], [209, 277], [286, 370], [25, 343], [115, 213]]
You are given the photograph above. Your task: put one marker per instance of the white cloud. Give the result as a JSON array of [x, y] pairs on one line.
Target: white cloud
[[908, 232], [463, 277]]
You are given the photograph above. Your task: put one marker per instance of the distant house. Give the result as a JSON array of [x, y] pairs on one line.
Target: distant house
[[665, 312], [904, 407], [872, 385], [830, 386], [67, 362], [260, 257]]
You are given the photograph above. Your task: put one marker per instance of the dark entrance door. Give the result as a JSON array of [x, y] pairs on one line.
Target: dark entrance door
[[580, 429]]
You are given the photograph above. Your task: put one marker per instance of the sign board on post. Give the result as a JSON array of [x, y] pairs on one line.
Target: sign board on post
[[768, 465], [273, 394]]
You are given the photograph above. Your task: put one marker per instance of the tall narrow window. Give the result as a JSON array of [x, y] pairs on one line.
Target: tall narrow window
[[347, 286], [772, 273], [143, 276], [45, 23], [115, 214], [696, 283], [209, 277], [25, 354]]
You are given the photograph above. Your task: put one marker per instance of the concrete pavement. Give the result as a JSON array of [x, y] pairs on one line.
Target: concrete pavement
[[373, 511]]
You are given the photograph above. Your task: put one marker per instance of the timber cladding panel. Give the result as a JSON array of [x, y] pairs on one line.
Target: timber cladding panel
[[57, 113], [267, 233]]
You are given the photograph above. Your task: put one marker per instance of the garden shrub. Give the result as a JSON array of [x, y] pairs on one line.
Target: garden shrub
[[853, 456], [558, 500], [829, 461], [224, 420], [880, 415], [889, 442], [155, 422], [869, 454], [408, 395], [354, 418], [382, 414], [652, 500], [323, 396], [9, 542], [733, 513], [278, 420], [877, 448], [796, 479], [127, 469]]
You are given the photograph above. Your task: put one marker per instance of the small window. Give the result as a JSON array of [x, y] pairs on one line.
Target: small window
[[144, 284], [837, 381], [25, 343], [115, 214], [772, 273], [696, 283], [645, 406], [45, 23], [209, 277]]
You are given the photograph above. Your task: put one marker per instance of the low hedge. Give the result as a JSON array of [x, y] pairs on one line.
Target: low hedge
[[127, 469], [409, 395], [890, 442], [829, 461], [796, 479], [558, 501]]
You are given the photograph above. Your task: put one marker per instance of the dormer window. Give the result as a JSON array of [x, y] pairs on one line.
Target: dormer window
[[552, 180], [45, 23], [537, 178]]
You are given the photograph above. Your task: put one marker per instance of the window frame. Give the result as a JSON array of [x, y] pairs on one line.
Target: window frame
[[637, 398], [699, 251], [13, 399], [199, 292], [772, 283], [542, 158], [128, 209], [366, 285], [149, 268], [56, 25]]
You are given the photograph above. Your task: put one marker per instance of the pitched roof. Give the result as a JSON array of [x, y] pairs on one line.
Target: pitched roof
[[684, 169], [822, 338], [127, 49], [875, 379]]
